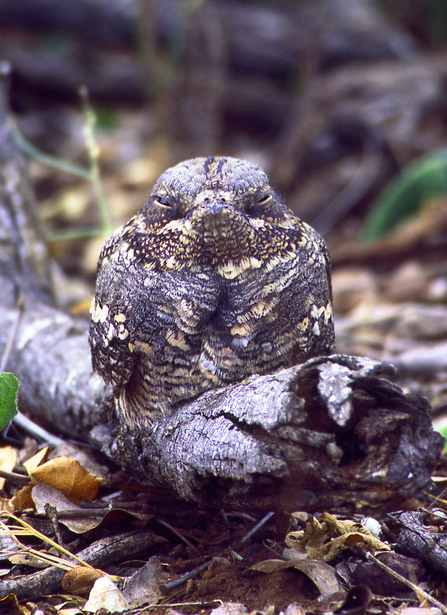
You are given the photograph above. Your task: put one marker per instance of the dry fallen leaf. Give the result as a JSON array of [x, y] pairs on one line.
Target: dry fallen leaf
[[34, 462], [44, 494], [324, 577], [143, 587], [68, 476], [80, 580], [106, 595], [5, 504], [10, 604], [85, 457], [271, 565], [324, 540], [8, 460], [230, 608], [76, 518], [22, 499]]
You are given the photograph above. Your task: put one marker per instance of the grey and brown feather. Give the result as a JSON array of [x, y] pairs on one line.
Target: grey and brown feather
[[213, 280]]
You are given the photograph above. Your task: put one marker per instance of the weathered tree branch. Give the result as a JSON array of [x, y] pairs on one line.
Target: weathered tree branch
[[110, 548], [333, 432]]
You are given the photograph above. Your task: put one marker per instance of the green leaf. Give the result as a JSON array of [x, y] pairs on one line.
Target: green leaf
[[9, 388], [443, 433], [422, 180]]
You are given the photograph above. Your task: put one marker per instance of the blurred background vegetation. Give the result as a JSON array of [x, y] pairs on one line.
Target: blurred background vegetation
[[334, 98]]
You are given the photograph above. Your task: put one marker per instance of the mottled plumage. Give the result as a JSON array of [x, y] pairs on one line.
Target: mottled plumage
[[213, 280]]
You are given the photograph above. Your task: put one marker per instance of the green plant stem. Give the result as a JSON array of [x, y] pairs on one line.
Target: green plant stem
[[91, 174], [50, 161], [77, 234], [93, 154]]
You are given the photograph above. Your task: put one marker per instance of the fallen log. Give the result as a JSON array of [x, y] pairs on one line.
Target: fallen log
[[333, 433]]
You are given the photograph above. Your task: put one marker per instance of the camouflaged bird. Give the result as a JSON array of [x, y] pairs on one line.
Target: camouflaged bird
[[213, 280]]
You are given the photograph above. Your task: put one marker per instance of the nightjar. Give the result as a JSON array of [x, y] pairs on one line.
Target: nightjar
[[213, 280]]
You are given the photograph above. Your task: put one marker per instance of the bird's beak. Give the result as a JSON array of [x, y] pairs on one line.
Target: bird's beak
[[214, 207]]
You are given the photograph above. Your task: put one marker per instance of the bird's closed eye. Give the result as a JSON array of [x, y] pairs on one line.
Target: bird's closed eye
[[256, 206], [161, 200], [264, 198]]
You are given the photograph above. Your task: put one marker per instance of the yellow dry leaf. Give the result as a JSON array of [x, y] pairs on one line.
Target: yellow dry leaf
[[314, 535], [33, 462], [8, 460], [324, 540], [332, 548], [5, 504], [22, 499], [80, 580], [340, 526], [67, 475]]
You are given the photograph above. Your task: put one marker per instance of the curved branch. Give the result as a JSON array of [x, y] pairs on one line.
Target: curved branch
[[331, 433]]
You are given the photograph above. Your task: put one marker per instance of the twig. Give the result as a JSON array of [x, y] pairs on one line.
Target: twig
[[436, 499], [109, 548], [258, 526], [35, 430], [177, 533], [418, 590], [42, 556], [41, 536], [186, 577], [193, 573], [13, 477], [51, 513], [13, 334], [172, 605]]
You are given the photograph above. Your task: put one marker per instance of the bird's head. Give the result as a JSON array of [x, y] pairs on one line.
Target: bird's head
[[212, 211], [215, 206]]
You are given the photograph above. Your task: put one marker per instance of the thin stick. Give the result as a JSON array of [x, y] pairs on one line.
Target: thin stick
[[185, 577], [16, 479], [178, 534], [258, 526], [172, 605], [418, 590], [35, 430], [13, 334], [203, 567]]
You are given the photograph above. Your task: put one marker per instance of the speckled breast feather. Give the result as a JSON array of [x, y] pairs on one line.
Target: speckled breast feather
[[213, 280]]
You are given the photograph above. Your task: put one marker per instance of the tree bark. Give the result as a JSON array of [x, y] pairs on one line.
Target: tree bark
[[331, 433]]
